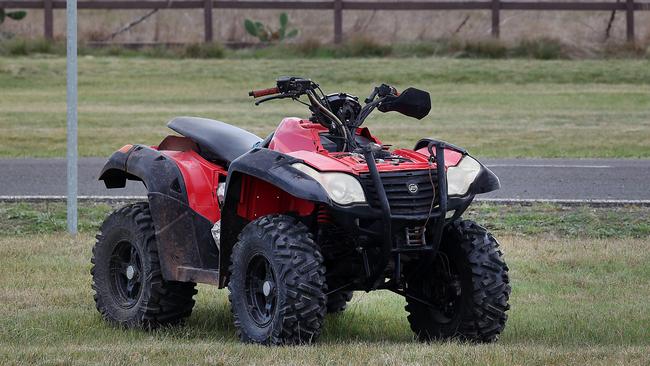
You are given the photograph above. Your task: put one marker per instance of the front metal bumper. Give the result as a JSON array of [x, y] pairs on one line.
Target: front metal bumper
[[392, 224]]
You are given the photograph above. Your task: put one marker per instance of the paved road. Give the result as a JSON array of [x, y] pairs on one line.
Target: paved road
[[562, 179]]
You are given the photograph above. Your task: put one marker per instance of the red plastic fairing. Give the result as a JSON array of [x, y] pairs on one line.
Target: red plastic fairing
[[452, 157], [301, 139], [365, 132], [294, 134], [258, 198], [201, 180]]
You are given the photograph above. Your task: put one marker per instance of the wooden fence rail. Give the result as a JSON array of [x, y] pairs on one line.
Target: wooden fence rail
[[337, 7]]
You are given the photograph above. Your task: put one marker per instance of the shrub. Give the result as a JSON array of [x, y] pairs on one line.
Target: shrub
[[206, 50], [363, 47], [17, 47], [489, 48], [543, 49], [160, 52], [265, 34], [15, 15], [624, 50], [420, 49], [313, 48], [212, 50]]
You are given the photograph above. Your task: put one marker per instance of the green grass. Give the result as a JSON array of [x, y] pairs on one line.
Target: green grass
[[579, 275], [547, 220], [495, 108], [573, 302]]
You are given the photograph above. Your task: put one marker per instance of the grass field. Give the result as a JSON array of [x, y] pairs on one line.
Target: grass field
[[573, 301], [576, 299], [511, 108]]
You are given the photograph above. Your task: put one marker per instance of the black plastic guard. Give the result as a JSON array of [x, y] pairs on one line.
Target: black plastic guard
[[486, 181], [275, 168], [270, 166], [183, 235]]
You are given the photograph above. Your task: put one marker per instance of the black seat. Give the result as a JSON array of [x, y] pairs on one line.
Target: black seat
[[217, 140]]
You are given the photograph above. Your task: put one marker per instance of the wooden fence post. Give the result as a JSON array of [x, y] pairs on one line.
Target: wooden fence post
[[496, 31], [207, 21], [48, 20], [629, 17], [338, 21]]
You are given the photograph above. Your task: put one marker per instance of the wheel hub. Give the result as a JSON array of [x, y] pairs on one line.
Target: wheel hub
[[260, 290], [130, 272], [126, 268], [267, 287]]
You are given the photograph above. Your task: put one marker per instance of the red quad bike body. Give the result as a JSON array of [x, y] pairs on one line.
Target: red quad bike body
[[294, 223]]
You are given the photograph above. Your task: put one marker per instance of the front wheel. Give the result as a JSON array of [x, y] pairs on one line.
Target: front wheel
[[466, 292], [277, 283]]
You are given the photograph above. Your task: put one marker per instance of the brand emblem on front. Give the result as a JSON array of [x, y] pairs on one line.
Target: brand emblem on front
[[413, 188]]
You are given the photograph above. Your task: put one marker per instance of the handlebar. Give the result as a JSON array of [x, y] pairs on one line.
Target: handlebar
[[264, 92]]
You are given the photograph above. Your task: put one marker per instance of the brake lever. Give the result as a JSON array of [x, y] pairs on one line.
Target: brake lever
[[272, 97], [372, 96]]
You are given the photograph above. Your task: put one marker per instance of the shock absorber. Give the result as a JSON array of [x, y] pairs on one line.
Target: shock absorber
[[323, 217]]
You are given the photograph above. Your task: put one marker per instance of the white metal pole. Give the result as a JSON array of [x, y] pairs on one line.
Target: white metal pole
[[71, 7]]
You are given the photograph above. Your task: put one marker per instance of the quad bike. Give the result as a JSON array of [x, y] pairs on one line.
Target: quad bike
[[294, 223]]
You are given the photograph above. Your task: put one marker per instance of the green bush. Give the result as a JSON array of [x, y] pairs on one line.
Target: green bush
[[205, 50], [625, 50], [24, 47], [363, 47], [542, 49], [160, 52], [15, 15], [313, 48], [489, 48], [212, 50], [419, 49], [265, 34], [17, 47]]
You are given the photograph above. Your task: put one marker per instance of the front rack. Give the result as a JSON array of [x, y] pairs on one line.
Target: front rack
[[389, 247]]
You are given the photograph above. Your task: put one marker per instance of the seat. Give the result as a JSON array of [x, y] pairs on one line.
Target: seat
[[216, 140]]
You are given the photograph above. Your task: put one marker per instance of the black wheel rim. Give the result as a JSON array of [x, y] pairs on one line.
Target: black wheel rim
[[126, 274], [261, 290], [445, 291]]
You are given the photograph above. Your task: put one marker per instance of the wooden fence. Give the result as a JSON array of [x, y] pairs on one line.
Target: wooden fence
[[495, 7]]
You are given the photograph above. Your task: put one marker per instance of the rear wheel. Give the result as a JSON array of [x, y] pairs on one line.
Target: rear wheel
[[277, 283], [129, 288], [467, 291], [338, 301]]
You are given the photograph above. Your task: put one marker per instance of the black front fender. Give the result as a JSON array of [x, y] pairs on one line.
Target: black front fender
[[270, 166]]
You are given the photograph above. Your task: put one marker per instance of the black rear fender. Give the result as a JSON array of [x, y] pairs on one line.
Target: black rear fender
[[185, 244]]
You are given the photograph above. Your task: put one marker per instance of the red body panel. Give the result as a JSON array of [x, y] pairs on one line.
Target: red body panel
[[301, 139], [258, 198], [201, 180]]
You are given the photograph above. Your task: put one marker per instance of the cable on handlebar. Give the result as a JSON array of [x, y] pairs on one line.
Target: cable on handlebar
[[314, 100]]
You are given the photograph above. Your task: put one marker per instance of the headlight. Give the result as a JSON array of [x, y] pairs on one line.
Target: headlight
[[461, 176], [342, 188]]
